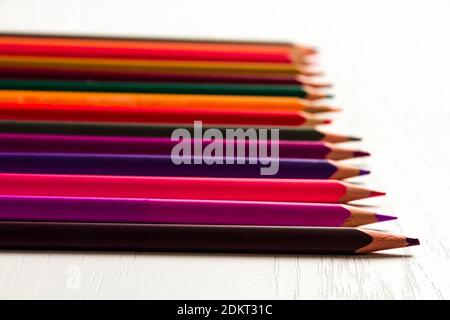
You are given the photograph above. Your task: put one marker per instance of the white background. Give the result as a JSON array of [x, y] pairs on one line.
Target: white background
[[390, 62]]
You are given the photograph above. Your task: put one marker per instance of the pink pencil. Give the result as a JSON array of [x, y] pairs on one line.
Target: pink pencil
[[251, 189]]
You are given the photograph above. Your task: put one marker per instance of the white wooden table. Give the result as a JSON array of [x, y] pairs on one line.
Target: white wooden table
[[390, 61]]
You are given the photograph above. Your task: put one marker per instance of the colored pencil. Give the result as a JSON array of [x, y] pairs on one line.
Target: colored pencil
[[142, 130], [275, 90], [139, 66], [248, 189], [16, 235], [170, 211], [101, 164], [52, 74], [154, 115], [218, 44], [192, 101], [162, 146], [83, 48]]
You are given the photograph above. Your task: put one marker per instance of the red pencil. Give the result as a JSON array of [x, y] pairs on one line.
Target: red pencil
[[89, 48], [251, 189], [136, 114]]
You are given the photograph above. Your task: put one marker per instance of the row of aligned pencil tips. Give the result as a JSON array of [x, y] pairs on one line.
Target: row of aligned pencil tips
[[186, 145]]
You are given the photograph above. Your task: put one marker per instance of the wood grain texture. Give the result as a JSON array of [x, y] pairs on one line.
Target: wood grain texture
[[390, 63]]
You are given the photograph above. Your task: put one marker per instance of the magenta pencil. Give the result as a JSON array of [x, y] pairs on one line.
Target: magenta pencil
[[167, 211]]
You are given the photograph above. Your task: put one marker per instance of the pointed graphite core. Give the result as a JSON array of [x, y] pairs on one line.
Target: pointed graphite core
[[383, 217], [359, 153], [412, 241], [376, 194], [363, 172]]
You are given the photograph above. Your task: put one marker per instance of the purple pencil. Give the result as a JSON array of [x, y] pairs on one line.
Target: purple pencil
[[157, 165], [167, 211], [158, 146]]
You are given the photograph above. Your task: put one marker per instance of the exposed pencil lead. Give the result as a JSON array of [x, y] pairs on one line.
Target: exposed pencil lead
[[383, 217], [412, 242], [358, 154], [351, 138], [377, 194], [363, 172]]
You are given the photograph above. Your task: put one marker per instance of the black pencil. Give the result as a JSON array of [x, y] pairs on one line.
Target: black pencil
[[142, 130], [193, 238]]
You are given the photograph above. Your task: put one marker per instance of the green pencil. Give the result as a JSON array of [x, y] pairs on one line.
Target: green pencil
[[167, 88]]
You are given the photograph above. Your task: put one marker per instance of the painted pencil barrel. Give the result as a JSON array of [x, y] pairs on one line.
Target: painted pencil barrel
[[217, 44], [51, 74], [100, 164], [162, 146], [245, 189], [170, 211], [90, 49], [9, 111], [143, 130], [191, 238], [153, 100], [155, 87], [134, 65]]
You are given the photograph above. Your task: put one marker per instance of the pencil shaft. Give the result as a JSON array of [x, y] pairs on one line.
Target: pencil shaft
[[100, 164], [137, 130], [134, 65], [157, 115], [52, 74], [153, 100], [88, 209], [180, 238], [137, 39], [148, 146], [285, 190], [148, 87], [109, 49]]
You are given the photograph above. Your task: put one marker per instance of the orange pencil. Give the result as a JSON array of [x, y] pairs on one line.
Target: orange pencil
[[208, 102]]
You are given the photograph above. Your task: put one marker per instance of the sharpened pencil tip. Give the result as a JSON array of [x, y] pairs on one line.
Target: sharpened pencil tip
[[354, 139], [358, 154], [377, 193], [317, 85], [312, 73], [363, 172], [412, 242], [327, 121], [383, 217], [329, 96]]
